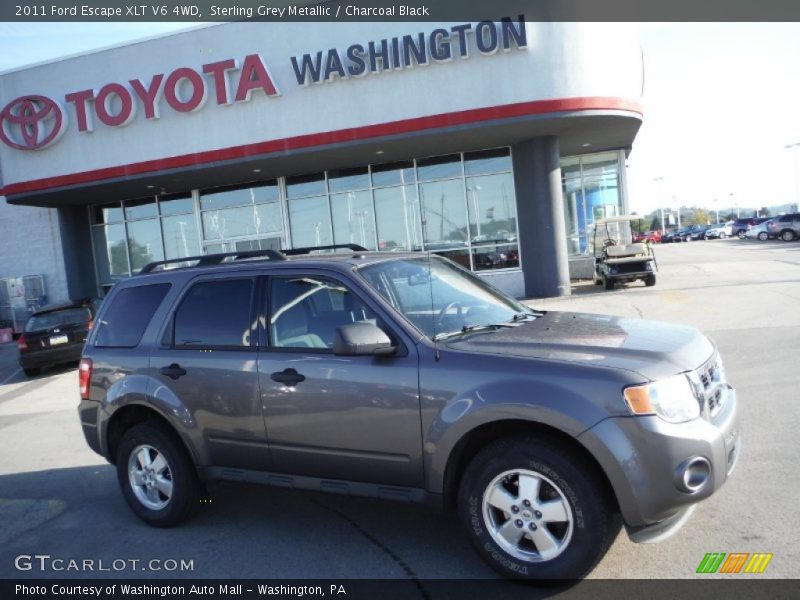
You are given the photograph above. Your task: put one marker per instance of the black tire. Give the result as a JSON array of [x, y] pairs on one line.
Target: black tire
[[763, 236], [741, 233], [650, 280], [186, 487], [31, 371], [787, 235], [608, 283], [595, 517]]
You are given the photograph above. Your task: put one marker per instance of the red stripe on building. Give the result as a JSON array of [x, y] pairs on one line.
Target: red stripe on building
[[464, 117]]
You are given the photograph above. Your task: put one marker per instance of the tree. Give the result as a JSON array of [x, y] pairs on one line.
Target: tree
[[655, 224], [701, 217]]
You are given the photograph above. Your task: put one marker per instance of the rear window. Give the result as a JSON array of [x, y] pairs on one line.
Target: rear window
[[58, 318], [123, 324]]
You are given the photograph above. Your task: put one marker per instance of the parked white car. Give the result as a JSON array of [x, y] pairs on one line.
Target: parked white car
[[719, 231]]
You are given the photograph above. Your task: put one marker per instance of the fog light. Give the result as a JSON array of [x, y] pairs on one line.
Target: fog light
[[692, 474]]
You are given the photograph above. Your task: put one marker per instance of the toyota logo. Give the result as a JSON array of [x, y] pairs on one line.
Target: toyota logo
[[31, 123]]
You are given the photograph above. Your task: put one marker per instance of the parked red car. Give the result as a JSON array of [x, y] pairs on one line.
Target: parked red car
[[649, 236]]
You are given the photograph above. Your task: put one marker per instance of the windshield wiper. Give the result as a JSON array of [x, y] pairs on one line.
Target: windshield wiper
[[524, 316], [469, 329]]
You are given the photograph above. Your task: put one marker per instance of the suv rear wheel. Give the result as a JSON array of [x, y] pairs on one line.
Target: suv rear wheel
[[537, 510], [787, 235], [157, 477]]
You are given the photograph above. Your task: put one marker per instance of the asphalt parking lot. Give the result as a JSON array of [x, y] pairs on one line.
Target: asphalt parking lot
[[58, 498]]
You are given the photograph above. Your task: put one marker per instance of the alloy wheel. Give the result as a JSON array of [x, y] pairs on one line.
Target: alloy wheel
[[150, 477]]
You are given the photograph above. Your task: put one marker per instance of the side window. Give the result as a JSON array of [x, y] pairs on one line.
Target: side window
[[305, 311], [123, 324], [215, 314]]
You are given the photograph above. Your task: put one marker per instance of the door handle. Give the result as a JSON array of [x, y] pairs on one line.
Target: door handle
[[173, 371], [288, 377]]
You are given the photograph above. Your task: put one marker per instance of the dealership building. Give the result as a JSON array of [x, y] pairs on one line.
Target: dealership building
[[496, 144]]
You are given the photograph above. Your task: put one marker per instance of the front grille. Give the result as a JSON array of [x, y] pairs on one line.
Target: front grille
[[710, 386]]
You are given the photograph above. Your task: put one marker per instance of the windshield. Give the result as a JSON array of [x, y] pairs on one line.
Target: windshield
[[441, 299], [58, 318]]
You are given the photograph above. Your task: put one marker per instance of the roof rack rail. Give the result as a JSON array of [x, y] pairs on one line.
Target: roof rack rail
[[207, 260], [310, 249]]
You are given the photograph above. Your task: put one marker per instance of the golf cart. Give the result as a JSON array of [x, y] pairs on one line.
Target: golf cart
[[616, 259]]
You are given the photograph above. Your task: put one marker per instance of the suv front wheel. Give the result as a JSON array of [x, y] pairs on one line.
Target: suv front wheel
[[537, 510], [157, 477]]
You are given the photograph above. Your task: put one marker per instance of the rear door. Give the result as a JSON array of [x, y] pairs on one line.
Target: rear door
[[354, 418], [206, 364]]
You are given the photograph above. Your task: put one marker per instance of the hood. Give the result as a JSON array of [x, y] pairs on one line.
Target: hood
[[650, 348]]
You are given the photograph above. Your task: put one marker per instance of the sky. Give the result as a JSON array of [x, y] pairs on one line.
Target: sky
[[721, 102]]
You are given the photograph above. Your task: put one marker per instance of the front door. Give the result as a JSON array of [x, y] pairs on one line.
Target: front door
[[206, 368], [353, 418]]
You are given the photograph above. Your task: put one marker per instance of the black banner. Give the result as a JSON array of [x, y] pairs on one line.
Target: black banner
[[751, 587], [389, 10]]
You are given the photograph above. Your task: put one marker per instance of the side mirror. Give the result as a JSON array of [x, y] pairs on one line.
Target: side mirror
[[360, 339]]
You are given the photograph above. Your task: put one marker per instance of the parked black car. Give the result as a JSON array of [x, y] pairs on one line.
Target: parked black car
[[55, 334], [686, 234]]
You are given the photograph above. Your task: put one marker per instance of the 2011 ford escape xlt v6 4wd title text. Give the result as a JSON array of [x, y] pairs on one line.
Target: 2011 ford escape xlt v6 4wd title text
[[403, 376]]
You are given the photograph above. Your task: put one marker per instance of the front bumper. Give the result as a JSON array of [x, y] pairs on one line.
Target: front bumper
[[642, 455]]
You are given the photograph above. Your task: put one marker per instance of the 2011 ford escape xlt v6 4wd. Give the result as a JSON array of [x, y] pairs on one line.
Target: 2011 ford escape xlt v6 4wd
[[403, 376]]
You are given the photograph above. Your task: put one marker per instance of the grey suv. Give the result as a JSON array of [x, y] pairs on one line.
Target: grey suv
[[405, 377]]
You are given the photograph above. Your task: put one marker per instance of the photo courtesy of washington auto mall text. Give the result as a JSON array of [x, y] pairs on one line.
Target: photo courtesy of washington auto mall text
[[376, 300]]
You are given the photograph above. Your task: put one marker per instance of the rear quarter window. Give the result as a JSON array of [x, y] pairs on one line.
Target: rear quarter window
[[124, 322]]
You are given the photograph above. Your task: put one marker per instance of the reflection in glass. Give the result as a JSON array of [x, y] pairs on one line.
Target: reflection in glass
[[353, 219], [180, 236], [107, 213], [269, 218], [346, 180], [439, 167], [399, 173], [225, 198], [305, 185], [591, 191], [487, 161], [398, 217], [141, 209], [111, 253], [175, 205], [495, 256], [444, 217], [144, 241], [492, 208], [266, 192], [230, 222], [310, 221]]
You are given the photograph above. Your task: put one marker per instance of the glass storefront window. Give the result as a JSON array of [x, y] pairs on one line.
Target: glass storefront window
[[310, 221], [444, 214], [487, 161], [495, 256], [141, 209], [225, 198], [266, 192], [398, 218], [305, 185], [347, 180], [107, 213], [144, 242], [175, 205], [492, 208], [353, 219], [591, 190], [269, 218], [439, 167], [180, 236], [401, 173], [111, 252], [230, 222]]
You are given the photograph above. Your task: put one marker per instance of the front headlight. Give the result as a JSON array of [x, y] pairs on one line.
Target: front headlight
[[672, 399]]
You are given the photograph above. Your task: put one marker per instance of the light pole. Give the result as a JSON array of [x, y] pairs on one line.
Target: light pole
[[678, 208], [796, 145], [659, 182], [716, 207], [734, 203]]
